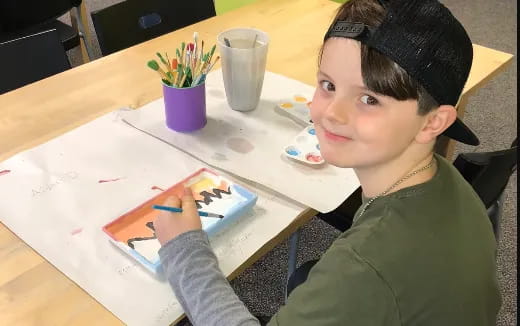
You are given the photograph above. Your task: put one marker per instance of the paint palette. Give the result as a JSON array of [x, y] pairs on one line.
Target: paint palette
[[297, 108], [134, 232], [305, 147]]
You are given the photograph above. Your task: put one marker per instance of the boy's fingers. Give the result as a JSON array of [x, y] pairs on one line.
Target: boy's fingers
[[187, 192], [173, 201], [188, 203]]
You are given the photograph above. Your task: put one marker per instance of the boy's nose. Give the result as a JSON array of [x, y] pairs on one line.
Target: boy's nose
[[337, 112]]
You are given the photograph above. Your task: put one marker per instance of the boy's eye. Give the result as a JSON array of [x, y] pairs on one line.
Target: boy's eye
[[370, 100], [327, 85]]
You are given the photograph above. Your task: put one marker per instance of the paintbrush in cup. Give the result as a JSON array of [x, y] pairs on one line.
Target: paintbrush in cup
[[181, 84], [170, 69], [209, 56], [178, 78], [164, 62], [196, 44], [152, 64], [211, 66], [228, 44]]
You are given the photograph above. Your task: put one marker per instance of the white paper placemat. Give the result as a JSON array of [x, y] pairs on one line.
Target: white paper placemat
[[251, 144], [61, 193]]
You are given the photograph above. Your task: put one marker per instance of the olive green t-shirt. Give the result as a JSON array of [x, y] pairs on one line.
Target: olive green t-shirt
[[424, 255]]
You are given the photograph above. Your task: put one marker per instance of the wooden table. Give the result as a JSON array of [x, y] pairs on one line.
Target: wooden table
[[32, 291]]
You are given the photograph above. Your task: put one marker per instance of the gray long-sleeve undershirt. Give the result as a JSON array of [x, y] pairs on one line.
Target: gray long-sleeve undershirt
[[204, 293]]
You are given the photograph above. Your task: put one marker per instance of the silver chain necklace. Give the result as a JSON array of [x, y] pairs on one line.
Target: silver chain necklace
[[426, 167]]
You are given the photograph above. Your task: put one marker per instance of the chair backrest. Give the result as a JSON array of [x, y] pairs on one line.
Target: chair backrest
[[31, 58], [488, 172], [16, 15], [134, 21]]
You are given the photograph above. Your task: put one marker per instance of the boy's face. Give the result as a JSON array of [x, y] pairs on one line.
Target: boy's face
[[356, 127]]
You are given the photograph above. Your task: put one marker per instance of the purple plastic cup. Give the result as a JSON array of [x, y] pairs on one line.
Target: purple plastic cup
[[185, 108]]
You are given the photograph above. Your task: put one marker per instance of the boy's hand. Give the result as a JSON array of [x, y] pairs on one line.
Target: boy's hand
[[168, 225]]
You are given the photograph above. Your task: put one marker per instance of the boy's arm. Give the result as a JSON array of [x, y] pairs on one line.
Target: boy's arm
[[204, 293]]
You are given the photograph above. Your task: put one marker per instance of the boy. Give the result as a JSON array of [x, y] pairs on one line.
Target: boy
[[421, 249]]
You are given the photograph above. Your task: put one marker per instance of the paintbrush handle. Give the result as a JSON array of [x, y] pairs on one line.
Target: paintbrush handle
[[183, 80], [179, 210], [163, 74], [211, 66]]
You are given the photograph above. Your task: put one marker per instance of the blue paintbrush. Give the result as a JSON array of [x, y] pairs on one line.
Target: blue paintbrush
[[179, 210]]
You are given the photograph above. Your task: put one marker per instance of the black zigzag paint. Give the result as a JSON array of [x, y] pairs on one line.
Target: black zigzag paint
[[207, 196]]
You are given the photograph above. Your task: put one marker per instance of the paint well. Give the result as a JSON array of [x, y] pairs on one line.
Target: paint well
[[313, 157], [301, 139], [286, 105], [300, 99], [291, 150], [312, 131]]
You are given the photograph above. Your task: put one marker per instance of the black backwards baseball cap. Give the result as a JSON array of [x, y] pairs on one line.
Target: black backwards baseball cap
[[424, 38]]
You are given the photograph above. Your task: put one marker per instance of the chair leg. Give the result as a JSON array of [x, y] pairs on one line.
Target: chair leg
[[81, 31], [299, 276], [495, 215], [293, 253]]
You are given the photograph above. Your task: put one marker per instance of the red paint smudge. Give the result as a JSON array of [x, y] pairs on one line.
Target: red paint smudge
[[4, 172], [76, 231], [109, 180], [157, 188]]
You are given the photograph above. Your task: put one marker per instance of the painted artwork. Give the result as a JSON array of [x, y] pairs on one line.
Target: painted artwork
[[134, 231]]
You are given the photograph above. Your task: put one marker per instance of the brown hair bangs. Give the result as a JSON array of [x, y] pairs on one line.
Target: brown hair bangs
[[380, 74]]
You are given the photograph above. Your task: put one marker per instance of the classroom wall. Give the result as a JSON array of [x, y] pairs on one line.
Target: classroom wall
[[223, 6]]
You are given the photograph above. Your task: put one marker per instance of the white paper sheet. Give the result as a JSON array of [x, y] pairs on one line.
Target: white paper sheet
[[251, 144], [54, 201]]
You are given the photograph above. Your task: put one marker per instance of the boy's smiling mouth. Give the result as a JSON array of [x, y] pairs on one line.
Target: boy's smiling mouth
[[335, 137]]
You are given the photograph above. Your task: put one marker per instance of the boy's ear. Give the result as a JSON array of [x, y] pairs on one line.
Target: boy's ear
[[436, 122]]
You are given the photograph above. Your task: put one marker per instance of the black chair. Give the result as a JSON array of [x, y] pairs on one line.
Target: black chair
[[342, 217], [489, 174], [31, 58], [27, 17], [134, 21]]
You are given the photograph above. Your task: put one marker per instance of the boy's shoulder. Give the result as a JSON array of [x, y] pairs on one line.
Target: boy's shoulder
[[440, 218], [428, 239], [444, 205]]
